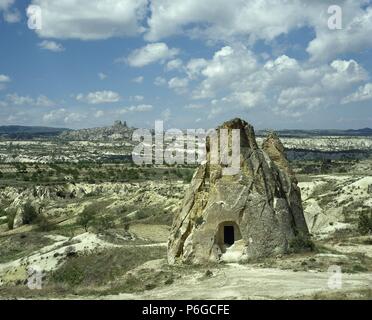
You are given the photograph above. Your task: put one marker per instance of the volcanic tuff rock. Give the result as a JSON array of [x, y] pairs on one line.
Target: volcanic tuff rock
[[118, 131], [255, 213]]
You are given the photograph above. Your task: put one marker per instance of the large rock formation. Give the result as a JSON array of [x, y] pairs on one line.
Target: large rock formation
[[119, 131], [252, 214]]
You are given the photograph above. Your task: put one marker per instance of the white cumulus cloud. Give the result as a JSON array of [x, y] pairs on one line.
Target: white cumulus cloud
[[236, 78], [178, 84], [63, 116], [175, 64], [102, 76], [51, 46], [90, 19], [362, 94], [99, 97], [138, 108], [138, 79], [253, 20], [151, 53], [160, 81], [5, 4], [12, 16], [40, 101], [4, 79]]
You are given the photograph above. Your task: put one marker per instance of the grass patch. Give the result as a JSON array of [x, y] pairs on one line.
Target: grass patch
[[365, 294], [18, 246], [100, 268]]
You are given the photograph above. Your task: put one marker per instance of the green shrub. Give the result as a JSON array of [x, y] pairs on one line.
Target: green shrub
[[29, 213], [102, 224], [10, 219], [199, 221], [141, 214], [87, 217], [188, 176], [359, 268], [301, 242], [43, 223]]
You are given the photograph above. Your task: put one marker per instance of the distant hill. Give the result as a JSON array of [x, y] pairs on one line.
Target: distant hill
[[364, 131], [314, 133], [29, 132], [118, 131]]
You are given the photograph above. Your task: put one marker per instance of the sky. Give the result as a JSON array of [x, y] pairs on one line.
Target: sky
[[278, 64]]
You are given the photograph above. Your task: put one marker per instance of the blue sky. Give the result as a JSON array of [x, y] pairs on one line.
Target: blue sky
[[191, 63]]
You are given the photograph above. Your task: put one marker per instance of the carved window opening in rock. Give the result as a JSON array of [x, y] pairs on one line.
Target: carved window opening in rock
[[228, 233]]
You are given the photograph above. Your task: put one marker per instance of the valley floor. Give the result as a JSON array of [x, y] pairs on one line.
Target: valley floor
[[236, 281], [127, 260]]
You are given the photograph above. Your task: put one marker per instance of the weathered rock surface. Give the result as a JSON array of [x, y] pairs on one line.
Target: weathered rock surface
[[261, 204], [119, 131]]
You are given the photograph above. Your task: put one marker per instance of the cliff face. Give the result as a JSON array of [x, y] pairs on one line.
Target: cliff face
[[255, 213]]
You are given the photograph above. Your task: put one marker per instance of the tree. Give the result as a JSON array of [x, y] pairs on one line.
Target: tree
[[10, 218], [103, 224], [43, 223], [29, 213], [86, 218]]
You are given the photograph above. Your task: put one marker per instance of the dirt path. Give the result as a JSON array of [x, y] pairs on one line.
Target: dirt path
[[245, 282]]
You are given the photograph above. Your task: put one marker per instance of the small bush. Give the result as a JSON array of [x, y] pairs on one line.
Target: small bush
[[29, 213], [86, 218], [141, 214], [359, 268], [102, 224], [188, 176], [10, 219], [2, 212], [300, 243], [367, 242], [43, 223], [199, 221]]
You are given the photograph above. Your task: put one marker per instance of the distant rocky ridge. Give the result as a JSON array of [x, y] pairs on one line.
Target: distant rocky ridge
[[365, 132], [29, 132], [118, 131], [299, 144]]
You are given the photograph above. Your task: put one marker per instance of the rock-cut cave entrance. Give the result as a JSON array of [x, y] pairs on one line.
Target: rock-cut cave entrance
[[228, 233]]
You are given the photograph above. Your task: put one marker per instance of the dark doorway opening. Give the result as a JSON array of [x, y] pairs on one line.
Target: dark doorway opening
[[228, 235]]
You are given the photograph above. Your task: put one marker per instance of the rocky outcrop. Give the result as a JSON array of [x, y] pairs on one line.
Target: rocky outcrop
[[118, 131], [66, 200], [255, 213]]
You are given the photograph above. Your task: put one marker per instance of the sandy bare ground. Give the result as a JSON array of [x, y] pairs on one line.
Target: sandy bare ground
[[247, 282]]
